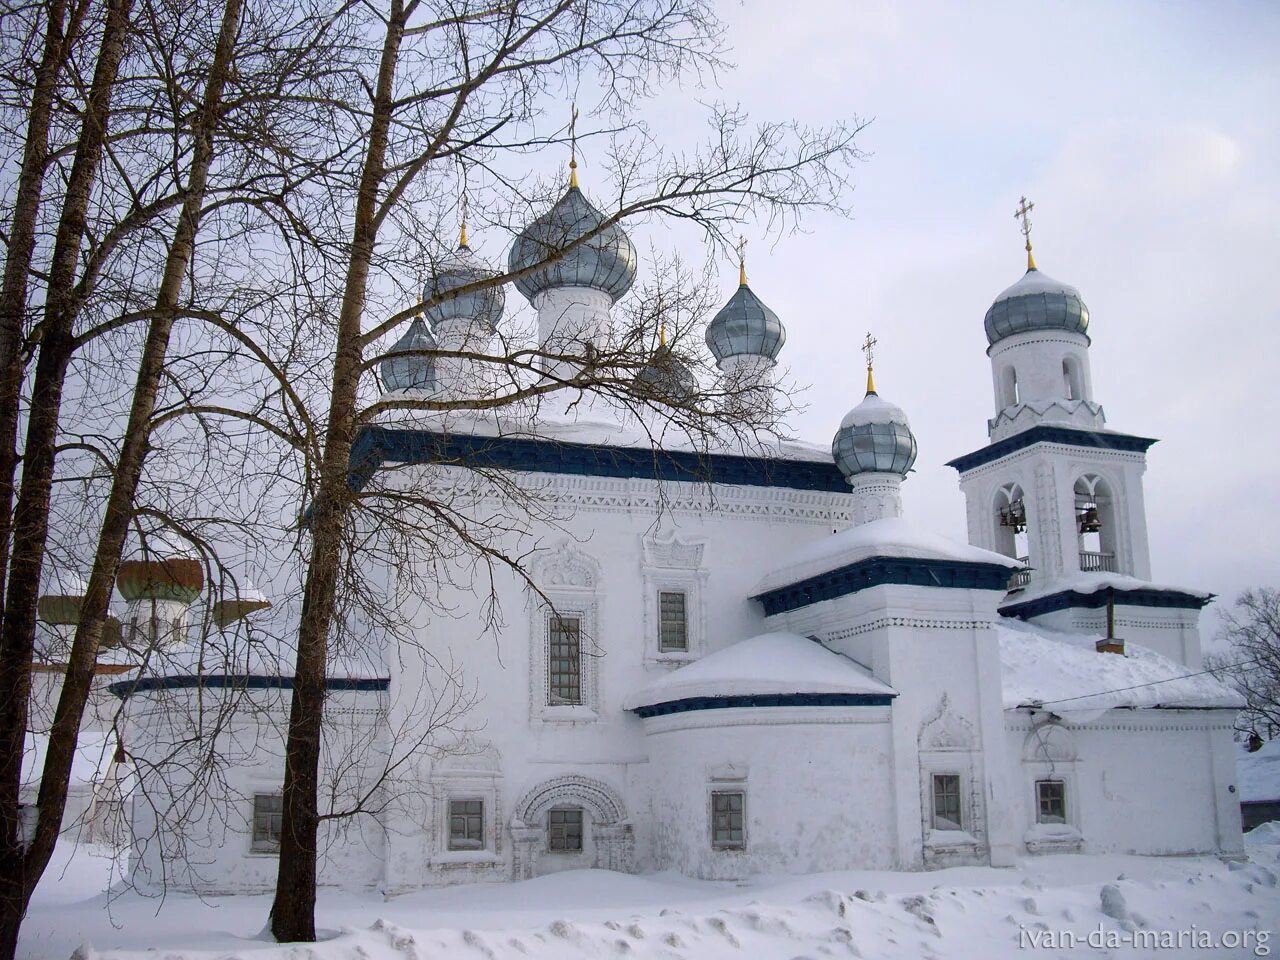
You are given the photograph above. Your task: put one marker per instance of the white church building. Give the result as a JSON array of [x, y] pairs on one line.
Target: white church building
[[737, 661]]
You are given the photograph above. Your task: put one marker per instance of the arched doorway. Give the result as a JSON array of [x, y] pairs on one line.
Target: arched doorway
[[571, 822]]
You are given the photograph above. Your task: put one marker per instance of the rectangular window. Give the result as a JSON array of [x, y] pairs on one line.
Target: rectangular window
[[268, 815], [564, 660], [466, 824], [564, 831], [727, 809], [673, 620], [1051, 801], [946, 802]]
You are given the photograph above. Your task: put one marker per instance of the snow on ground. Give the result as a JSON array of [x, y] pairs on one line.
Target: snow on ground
[[966, 913]]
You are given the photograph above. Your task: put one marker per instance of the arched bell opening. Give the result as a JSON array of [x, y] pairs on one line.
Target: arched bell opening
[[1096, 525], [1010, 518]]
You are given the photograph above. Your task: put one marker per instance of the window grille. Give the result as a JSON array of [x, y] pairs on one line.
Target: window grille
[[564, 660], [673, 620]]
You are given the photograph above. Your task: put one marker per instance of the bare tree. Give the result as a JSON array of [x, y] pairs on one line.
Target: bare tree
[[1251, 663], [463, 82]]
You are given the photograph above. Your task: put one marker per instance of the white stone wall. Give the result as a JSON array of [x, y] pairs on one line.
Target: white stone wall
[[618, 542], [192, 809], [1156, 782], [818, 783]]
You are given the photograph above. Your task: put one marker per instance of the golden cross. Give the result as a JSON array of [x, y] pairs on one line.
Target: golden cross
[[742, 261], [1023, 213], [573, 145], [462, 237], [869, 348]]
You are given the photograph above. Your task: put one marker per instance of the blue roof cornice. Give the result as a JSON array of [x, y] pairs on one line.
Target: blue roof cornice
[[1044, 433], [765, 700], [240, 681], [1074, 600], [875, 571], [378, 446]]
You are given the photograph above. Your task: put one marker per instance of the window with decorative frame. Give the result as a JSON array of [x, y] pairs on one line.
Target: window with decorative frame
[[673, 581], [564, 830], [268, 817], [466, 824], [565, 649]]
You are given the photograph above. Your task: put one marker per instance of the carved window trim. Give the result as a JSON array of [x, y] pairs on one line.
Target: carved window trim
[[570, 583], [672, 564]]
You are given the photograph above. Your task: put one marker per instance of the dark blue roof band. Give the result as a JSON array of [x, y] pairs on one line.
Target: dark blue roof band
[[1074, 600], [240, 681], [766, 700], [376, 446], [1069, 436], [955, 574]]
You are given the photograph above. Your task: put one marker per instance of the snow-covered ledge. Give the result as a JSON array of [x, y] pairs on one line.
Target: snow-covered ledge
[[1053, 838]]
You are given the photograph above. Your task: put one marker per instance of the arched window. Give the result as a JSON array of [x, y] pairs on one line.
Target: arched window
[[1009, 386], [1072, 383], [1096, 524]]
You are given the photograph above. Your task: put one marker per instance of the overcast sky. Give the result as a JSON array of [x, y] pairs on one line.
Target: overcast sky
[[1146, 134]]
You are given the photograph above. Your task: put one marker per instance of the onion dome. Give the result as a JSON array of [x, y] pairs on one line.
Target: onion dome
[[61, 605], [607, 261], [169, 573], [403, 369], [874, 437], [745, 326], [245, 600], [459, 269], [666, 376], [1036, 302]]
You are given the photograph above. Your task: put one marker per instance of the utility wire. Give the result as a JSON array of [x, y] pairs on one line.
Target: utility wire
[[1152, 683]]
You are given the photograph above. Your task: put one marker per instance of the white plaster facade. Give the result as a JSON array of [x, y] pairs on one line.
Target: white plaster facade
[[922, 759]]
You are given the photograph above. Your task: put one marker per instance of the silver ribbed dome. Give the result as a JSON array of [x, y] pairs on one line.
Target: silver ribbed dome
[[1036, 302], [459, 269], [412, 371], [666, 377], [874, 437], [605, 262], [745, 326]]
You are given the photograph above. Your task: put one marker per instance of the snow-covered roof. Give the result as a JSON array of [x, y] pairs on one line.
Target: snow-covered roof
[[1087, 583], [1064, 673], [772, 663], [602, 429], [1036, 281], [95, 752], [890, 537], [874, 409], [1259, 772]]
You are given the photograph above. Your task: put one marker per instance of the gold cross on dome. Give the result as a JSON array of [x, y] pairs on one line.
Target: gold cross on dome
[[742, 261], [869, 348], [1023, 213], [573, 145]]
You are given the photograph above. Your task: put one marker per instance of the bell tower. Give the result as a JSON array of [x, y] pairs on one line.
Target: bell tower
[[1054, 488]]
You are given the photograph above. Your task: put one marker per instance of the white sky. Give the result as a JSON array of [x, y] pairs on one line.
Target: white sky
[[1147, 136]]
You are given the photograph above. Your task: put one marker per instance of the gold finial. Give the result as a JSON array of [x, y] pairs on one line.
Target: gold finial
[[869, 348], [462, 234], [742, 261], [1023, 213], [662, 335], [573, 147]]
